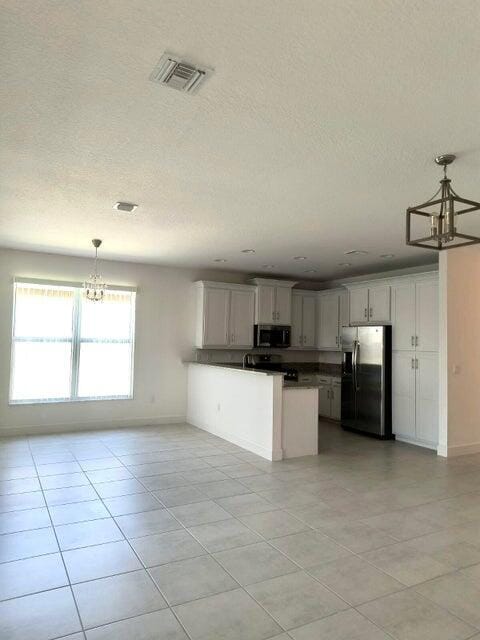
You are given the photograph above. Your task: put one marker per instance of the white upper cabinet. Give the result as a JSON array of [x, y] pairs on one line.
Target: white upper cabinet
[[265, 304], [370, 304], [216, 317], [273, 301], [359, 305], [283, 305], [309, 320], [415, 314], [403, 316], [242, 304], [225, 315], [427, 315], [303, 319], [296, 338], [328, 321], [379, 304]]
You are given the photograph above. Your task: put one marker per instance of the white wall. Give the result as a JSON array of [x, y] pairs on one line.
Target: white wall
[[460, 351], [164, 336], [243, 407]]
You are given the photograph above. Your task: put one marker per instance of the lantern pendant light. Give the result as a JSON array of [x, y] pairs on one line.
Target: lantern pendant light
[[442, 212]]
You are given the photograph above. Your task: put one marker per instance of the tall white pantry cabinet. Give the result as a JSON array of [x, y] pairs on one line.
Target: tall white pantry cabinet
[[415, 359]]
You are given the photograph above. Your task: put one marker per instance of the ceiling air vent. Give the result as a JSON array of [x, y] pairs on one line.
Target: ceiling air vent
[[178, 74]]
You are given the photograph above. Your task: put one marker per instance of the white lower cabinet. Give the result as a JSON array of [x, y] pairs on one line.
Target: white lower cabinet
[[426, 397], [415, 397], [336, 401], [324, 400], [329, 398]]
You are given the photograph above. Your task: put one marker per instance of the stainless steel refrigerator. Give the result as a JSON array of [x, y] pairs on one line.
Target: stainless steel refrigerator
[[367, 380]]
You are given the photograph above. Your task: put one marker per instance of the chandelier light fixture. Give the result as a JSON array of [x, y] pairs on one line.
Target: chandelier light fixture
[[95, 287], [442, 213]]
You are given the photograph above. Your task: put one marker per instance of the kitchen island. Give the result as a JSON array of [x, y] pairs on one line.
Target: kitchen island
[[254, 409]]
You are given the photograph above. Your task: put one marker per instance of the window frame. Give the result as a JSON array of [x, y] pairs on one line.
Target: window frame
[[75, 341]]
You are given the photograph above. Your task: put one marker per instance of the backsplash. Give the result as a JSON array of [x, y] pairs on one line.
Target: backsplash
[[236, 356]]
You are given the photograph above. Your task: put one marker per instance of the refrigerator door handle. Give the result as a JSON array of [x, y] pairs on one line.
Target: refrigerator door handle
[[356, 346]]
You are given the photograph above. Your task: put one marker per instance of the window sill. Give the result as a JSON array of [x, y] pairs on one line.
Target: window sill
[[17, 403]]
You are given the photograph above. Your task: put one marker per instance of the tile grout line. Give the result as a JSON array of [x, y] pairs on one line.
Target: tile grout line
[[61, 555]]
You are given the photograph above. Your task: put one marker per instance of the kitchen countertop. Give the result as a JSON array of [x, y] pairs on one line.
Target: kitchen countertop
[[237, 367]]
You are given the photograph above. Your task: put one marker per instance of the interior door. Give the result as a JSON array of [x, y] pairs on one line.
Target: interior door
[[309, 308], [369, 387], [403, 394], [403, 317], [328, 322], [241, 318], [379, 304], [296, 336], [283, 305], [359, 305], [427, 315], [216, 318], [426, 396], [265, 304]]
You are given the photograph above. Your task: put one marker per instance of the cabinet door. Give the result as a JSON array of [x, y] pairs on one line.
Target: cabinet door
[[403, 394], [427, 315], [265, 301], [297, 329], [427, 397], [403, 317], [309, 308], [283, 305], [336, 403], [328, 311], [241, 318], [324, 401], [379, 304], [216, 318], [359, 305]]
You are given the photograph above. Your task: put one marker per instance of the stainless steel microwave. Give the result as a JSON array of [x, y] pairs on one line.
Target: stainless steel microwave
[[273, 336]]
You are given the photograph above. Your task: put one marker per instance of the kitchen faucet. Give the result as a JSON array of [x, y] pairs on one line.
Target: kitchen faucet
[[247, 360]]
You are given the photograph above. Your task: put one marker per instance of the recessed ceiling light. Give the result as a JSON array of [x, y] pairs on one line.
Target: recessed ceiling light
[[219, 260], [310, 271], [356, 252], [344, 264], [248, 250], [299, 258], [129, 207], [387, 255], [269, 266]]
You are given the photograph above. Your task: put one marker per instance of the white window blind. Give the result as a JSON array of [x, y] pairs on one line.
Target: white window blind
[[65, 347]]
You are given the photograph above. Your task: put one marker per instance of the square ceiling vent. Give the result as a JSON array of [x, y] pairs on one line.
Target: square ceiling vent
[[179, 74]]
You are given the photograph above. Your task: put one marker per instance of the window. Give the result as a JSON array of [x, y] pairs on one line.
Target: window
[[65, 347]]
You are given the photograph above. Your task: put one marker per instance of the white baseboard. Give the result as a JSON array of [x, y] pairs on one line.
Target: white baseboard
[[463, 449], [94, 425], [268, 454], [417, 443]]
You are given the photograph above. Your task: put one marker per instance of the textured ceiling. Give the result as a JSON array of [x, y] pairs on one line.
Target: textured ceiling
[[316, 130]]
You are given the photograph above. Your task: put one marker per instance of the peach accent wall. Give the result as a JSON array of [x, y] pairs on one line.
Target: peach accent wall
[[462, 285]]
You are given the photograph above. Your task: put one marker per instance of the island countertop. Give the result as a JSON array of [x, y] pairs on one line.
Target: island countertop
[[236, 367]]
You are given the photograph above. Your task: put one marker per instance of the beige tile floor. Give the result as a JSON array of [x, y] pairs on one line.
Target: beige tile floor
[[168, 533]]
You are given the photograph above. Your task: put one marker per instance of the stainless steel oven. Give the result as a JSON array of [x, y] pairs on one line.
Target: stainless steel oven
[[273, 336]]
